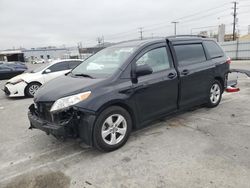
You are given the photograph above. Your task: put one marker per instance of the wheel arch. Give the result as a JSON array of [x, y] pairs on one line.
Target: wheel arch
[[123, 105], [221, 80]]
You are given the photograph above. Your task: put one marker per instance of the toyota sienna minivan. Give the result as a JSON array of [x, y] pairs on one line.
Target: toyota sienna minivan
[[124, 87]]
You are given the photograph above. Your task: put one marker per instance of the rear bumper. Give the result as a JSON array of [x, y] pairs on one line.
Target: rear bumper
[[233, 76]]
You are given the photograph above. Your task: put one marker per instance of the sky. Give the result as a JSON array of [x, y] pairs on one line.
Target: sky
[[39, 23]]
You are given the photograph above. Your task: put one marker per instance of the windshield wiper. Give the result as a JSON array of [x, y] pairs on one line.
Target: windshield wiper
[[84, 75]]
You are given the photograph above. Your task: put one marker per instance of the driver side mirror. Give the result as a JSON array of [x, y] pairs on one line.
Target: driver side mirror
[[47, 71], [143, 70]]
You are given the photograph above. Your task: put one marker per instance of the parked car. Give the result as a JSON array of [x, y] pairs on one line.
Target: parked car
[[15, 64], [126, 86], [11, 69], [28, 83], [40, 61]]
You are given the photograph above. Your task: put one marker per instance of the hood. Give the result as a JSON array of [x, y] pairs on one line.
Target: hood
[[24, 76], [64, 86]]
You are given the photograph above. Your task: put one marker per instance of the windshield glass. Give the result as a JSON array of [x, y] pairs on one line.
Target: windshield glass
[[104, 63], [39, 68]]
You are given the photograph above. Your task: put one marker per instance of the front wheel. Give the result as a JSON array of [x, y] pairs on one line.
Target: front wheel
[[112, 129], [215, 94], [31, 89]]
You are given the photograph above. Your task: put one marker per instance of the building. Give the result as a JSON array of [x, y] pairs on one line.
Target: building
[[221, 32], [36, 54], [45, 53], [12, 55], [247, 36]]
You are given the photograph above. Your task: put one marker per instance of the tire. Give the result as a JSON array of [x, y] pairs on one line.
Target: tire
[[214, 94], [31, 89], [108, 134]]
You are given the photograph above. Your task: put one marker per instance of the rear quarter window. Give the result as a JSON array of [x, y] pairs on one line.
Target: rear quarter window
[[213, 49], [188, 54]]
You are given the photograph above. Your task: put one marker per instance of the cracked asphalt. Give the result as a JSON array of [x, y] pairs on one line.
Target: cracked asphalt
[[199, 148]]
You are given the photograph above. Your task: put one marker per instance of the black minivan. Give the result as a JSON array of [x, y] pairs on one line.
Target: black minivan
[[126, 86]]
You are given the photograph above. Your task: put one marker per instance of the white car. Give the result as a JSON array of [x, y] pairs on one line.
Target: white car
[[38, 61], [27, 84]]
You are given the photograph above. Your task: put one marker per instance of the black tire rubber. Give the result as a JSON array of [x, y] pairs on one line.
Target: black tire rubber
[[209, 103], [98, 141], [27, 93]]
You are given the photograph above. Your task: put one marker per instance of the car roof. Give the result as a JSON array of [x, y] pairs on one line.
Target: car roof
[[63, 60], [139, 43]]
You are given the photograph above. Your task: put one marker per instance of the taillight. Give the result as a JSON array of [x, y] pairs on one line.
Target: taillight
[[230, 89], [229, 61]]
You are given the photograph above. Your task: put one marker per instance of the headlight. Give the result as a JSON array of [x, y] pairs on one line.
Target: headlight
[[69, 101], [17, 81]]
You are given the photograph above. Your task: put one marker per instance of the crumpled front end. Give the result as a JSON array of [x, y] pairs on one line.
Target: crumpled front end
[[70, 123]]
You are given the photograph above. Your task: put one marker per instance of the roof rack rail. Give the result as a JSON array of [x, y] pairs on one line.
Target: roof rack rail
[[176, 36]]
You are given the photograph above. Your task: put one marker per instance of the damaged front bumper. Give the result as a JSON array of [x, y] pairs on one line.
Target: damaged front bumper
[[58, 130], [78, 124]]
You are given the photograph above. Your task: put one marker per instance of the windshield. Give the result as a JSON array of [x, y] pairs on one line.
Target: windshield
[[39, 68], [104, 63]]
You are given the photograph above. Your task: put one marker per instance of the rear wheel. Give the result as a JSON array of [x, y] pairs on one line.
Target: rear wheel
[[215, 94], [112, 129], [32, 88]]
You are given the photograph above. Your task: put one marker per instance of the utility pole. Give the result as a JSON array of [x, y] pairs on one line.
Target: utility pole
[[234, 20], [102, 40], [175, 23], [141, 31], [79, 46]]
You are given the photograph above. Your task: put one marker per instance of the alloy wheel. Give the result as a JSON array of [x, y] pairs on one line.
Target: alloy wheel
[[215, 93], [114, 129], [33, 89]]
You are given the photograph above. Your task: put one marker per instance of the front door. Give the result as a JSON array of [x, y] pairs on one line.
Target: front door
[[156, 94]]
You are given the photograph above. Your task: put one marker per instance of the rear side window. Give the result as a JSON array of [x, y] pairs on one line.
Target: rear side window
[[188, 54], [73, 64], [213, 49], [59, 66]]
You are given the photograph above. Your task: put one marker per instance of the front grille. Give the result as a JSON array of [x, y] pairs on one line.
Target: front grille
[[43, 110]]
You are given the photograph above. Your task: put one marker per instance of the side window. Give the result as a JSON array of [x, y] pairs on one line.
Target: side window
[[213, 49], [157, 59], [73, 64], [59, 66], [188, 54]]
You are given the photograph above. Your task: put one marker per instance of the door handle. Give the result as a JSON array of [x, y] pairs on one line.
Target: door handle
[[171, 75], [185, 72]]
